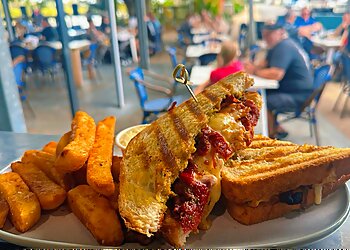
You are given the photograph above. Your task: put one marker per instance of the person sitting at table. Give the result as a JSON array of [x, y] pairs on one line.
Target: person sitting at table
[[207, 20], [305, 19], [105, 25], [294, 32], [287, 63], [220, 25], [97, 36], [339, 31], [48, 33], [227, 63], [185, 36], [20, 31]]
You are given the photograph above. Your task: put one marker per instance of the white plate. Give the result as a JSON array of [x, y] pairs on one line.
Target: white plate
[[61, 229]]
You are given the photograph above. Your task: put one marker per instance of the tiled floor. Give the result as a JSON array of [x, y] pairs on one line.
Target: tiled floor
[[49, 101]]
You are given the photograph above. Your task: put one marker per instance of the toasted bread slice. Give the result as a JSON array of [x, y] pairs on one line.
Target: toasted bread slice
[[277, 169], [254, 179], [274, 208], [155, 157]]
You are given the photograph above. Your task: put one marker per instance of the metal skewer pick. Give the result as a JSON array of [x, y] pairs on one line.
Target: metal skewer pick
[[183, 78]]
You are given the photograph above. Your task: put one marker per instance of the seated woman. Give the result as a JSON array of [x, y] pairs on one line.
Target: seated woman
[[227, 63]]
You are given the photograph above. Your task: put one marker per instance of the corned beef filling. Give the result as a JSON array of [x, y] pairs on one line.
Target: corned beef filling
[[192, 194], [250, 121]]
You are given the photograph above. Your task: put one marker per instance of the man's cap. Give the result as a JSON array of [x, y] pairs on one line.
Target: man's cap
[[274, 26]]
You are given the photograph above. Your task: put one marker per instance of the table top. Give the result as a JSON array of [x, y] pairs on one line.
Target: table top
[[195, 51], [206, 37], [13, 145], [327, 42], [201, 74], [57, 45], [199, 30], [75, 44]]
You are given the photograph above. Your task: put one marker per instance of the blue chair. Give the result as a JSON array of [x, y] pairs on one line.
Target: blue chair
[[207, 58], [173, 58], [307, 111], [242, 37], [17, 49], [308, 46], [173, 52], [345, 88], [45, 60], [253, 50], [92, 58], [19, 69], [155, 106]]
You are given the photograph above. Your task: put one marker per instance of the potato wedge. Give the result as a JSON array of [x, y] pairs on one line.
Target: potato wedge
[[116, 167], [24, 206], [45, 161], [97, 214], [76, 152], [99, 175], [4, 210], [50, 147], [64, 140], [50, 194], [114, 197], [79, 176]]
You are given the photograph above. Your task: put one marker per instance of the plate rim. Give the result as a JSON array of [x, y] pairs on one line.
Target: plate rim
[[320, 234], [300, 241]]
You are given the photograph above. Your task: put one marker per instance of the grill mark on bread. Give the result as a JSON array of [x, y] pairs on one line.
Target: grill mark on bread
[[227, 86], [195, 110], [179, 126], [275, 154], [167, 155], [265, 153], [211, 96], [282, 162], [145, 156]]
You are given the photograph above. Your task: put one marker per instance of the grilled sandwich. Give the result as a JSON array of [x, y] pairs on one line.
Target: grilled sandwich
[[272, 178], [170, 176]]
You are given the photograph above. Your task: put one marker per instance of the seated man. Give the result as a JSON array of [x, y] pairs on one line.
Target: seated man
[[48, 33], [294, 32], [227, 63], [287, 63], [305, 19]]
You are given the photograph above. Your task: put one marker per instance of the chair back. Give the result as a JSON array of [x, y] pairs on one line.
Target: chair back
[[172, 53], [18, 70], [322, 75], [93, 52], [253, 50], [308, 45], [242, 37], [44, 57], [346, 66], [207, 58], [17, 50], [136, 75]]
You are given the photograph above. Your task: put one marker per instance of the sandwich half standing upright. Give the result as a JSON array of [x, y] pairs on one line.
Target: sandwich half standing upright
[[170, 176]]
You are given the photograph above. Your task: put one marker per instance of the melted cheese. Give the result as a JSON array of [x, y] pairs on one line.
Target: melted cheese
[[227, 125], [318, 193], [210, 167]]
